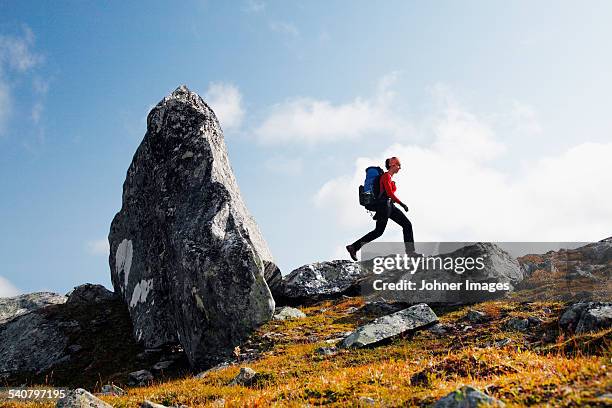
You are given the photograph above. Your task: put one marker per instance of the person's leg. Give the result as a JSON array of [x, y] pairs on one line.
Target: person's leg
[[398, 216], [381, 224]]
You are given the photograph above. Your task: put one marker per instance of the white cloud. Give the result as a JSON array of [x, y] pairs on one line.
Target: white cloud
[[455, 192], [7, 289], [226, 101], [284, 27], [16, 52], [98, 247], [312, 121], [16, 57]]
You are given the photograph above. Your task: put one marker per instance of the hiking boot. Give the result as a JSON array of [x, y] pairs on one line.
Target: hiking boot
[[352, 252]]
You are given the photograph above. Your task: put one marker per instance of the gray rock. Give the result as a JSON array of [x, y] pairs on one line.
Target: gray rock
[[286, 312], [389, 326], [476, 316], [140, 377], [518, 324], [467, 397], [326, 351], [319, 280], [440, 329], [493, 272], [31, 343], [367, 401], [89, 293], [11, 307], [162, 365], [584, 317], [80, 398], [150, 404], [244, 377], [186, 256], [112, 389]]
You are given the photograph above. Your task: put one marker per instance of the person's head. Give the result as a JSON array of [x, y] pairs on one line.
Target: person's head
[[393, 165]]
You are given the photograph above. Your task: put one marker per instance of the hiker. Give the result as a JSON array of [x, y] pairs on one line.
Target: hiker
[[385, 209]]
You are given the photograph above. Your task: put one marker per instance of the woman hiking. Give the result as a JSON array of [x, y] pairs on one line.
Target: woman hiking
[[386, 209]]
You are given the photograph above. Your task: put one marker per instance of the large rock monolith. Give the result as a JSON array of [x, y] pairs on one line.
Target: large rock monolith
[[185, 254]]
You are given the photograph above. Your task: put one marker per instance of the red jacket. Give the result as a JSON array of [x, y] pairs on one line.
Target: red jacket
[[388, 186]]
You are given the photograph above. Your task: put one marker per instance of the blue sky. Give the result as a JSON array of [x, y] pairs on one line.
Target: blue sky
[[498, 110]]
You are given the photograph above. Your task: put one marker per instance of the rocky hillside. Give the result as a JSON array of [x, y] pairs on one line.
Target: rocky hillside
[[200, 315]]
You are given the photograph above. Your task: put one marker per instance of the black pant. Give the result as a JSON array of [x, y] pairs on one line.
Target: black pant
[[383, 213]]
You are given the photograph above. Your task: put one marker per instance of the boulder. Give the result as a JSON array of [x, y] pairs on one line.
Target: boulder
[[140, 377], [245, 377], [492, 273], [185, 254], [18, 305], [467, 397], [318, 281], [51, 343], [389, 326], [89, 293], [80, 398], [584, 317], [32, 343]]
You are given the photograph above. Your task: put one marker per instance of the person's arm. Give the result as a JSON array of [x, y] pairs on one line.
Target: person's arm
[[386, 182]]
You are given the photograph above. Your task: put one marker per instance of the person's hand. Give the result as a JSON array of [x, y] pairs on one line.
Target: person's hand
[[404, 206]]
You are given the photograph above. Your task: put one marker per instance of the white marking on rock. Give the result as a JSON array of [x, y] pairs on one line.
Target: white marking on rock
[[141, 290], [123, 260]]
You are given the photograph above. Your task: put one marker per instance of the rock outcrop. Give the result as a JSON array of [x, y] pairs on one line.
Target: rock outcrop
[[186, 256], [90, 334], [492, 274], [467, 397], [584, 317], [81, 398], [387, 327], [11, 307], [318, 281]]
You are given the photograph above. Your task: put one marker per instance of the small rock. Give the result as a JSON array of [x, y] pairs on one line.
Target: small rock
[[80, 398], [547, 310], [390, 326], [467, 397], [150, 404], [367, 401], [502, 342], [286, 312], [466, 328], [162, 365], [140, 377], [534, 321], [518, 324], [244, 377], [326, 351], [219, 403], [476, 316], [440, 329], [112, 389]]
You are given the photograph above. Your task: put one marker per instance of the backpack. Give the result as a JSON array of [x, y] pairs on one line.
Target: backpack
[[369, 193]]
